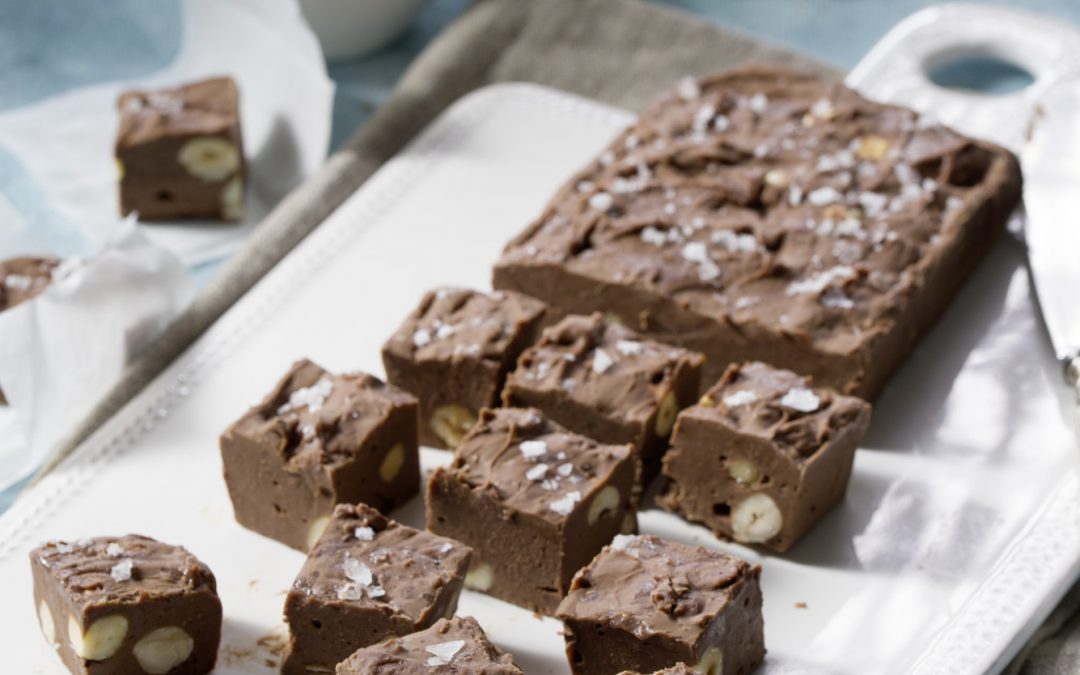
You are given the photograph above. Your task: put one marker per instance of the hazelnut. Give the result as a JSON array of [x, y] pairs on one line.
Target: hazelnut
[[872, 147], [743, 471], [101, 640], [480, 577], [163, 649], [756, 519], [48, 626], [665, 415], [209, 158], [712, 662], [451, 422], [392, 463], [606, 501], [315, 531], [232, 199]]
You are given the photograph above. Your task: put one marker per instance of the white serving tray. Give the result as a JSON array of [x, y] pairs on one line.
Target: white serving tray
[[961, 528]]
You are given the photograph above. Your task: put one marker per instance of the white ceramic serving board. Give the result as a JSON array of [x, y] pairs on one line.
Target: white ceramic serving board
[[960, 530]]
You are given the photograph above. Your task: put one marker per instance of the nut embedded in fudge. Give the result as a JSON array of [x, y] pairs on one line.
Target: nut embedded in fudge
[[763, 456], [22, 279], [644, 604], [456, 645], [368, 578], [453, 353], [315, 441], [767, 215], [606, 382], [127, 605], [677, 669], [179, 152], [535, 502]]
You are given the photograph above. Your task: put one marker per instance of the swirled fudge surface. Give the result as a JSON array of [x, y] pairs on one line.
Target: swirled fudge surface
[[606, 382], [768, 215], [127, 605], [179, 152], [644, 604], [453, 353], [317, 440], [368, 578], [452, 646], [534, 501], [763, 455]]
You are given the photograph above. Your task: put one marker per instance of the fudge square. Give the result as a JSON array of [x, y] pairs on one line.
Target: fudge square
[[368, 578], [606, 382], [763, 456], [453, 353], [535, 501], [767, 215], [456, 645], [179, 152], [21, 279], [315, 441], [644, 604], [127, 605]]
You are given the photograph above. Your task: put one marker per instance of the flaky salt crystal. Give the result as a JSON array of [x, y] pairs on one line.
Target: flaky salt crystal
[[121, 571], [443, 653], [801, 399], [312, 397], [533, 449], [565, 505], [740, 398], [601, 361]]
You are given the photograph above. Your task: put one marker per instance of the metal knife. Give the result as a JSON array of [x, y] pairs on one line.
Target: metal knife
[[1051, 165]]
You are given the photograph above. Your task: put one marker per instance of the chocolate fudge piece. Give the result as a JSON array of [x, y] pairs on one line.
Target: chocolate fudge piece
[[535, 502], [766, 215], [368, 578], [645, 604], [127, 605], [21, 279], [455, 645], [453, 353], [315, 441], [179, 152], [677, 669], [606, 382], [763, 456]]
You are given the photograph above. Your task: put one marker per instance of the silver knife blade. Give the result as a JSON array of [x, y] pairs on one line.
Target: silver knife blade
[[1051, 165]]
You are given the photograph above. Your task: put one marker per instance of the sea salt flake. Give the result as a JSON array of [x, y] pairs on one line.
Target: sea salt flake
[[421, 337], [568, 384], [114, 550], [822, 108], [121, 571], [586, 186], [746, 301], [688, 88], [533, 449], [628, 347], [654, 236], [740, 398], [601, 201], [443, 653], [601, 361], [721, 123], [759, 103], [446, 548], [703, 117], [357, 571], [565, 470], [18, 282], [824, 196], [795, 195], [820, 281], [550, 484], [735, 242], [537, 472], [565, 504], [312, 397], [622, 541], [364, 534], [444, 331], [801, 399], [836, 299]]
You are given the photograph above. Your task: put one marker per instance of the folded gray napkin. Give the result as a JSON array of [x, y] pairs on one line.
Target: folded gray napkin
[[622, 52]]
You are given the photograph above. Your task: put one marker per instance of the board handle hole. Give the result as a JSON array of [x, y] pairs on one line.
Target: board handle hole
[[978, 72]]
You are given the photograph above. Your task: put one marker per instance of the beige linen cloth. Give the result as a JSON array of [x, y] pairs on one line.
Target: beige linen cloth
[[622, 52]]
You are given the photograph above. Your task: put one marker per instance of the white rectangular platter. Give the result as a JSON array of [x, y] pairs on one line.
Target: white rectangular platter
[[960, 530]]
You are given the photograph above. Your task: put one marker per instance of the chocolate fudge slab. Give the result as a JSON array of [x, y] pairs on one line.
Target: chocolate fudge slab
[[766, 215], [179, 152], [534, 501], [451, 646], [763, 456], [368, 578], [126, 605], [606, 382], [453, 353], [645, 604], [315, 441], [21, 279]]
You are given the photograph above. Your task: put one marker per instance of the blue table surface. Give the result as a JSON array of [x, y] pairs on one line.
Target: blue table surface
[[836, 31]]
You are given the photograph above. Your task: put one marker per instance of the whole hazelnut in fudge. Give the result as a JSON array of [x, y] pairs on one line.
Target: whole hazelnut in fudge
[[769, 215], [367, 579], [534, 501], [179, 152], [607, 382], [126, 605], [763, 455], [644, 604], [453, 353], [456, 645], [318, 440]]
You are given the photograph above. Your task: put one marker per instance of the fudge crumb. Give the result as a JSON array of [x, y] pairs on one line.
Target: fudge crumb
[[800, 605], [688, 88]]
